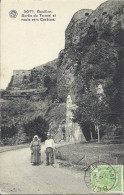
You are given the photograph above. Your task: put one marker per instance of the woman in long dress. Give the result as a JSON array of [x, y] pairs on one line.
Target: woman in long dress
[[35, 151]]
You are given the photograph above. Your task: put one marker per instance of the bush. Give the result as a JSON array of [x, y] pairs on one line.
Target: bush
[[8, 132], [38, 126]]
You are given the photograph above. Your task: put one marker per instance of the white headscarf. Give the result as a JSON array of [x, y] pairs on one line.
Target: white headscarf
[[36, 136]]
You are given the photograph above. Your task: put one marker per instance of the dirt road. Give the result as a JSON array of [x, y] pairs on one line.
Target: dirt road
[[17, 175]]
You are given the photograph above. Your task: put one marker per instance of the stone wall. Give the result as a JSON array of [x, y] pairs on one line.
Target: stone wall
[[19, 77], [21, 72]]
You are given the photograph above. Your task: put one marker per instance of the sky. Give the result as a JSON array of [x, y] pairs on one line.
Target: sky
[[27, 44]]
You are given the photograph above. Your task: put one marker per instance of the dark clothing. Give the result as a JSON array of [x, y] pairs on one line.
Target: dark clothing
[[35, 152], [49, 156]]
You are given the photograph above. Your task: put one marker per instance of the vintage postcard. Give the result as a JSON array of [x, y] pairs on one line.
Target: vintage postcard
[[62, 97]]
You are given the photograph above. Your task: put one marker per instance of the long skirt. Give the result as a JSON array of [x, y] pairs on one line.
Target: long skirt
[[35, 155]]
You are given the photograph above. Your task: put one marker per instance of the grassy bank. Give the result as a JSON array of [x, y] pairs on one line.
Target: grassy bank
[[82, 155]]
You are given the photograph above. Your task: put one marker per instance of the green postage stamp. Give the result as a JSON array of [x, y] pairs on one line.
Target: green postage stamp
[[107, 178]]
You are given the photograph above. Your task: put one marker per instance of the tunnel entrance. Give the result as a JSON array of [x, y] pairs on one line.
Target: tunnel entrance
[[88, 130]]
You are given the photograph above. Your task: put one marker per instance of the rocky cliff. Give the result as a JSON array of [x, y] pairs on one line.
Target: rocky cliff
[[94, 40], [93, 53], [93, 56]]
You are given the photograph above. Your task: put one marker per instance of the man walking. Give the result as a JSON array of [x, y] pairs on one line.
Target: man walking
[[49, 149]]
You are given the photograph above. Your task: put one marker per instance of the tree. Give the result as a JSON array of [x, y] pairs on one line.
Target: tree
[[8, 132], [36, 127], [92, 109]]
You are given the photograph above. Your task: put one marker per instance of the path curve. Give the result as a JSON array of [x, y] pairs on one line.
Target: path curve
[[18, 176]]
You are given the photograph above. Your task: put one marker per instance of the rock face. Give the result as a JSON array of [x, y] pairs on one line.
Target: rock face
[[74, 29], [93, 56], [73, 131], [93, 38], [69, 57]]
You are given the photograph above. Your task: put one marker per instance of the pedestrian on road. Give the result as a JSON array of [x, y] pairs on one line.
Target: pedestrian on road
[[49, 150], [35, 151]]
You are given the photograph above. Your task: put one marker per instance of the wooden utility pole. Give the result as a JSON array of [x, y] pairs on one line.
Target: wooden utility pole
[[97, 129], [98, 134]]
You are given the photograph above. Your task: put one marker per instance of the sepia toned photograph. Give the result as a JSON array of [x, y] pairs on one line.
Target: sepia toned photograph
[[62, 97]]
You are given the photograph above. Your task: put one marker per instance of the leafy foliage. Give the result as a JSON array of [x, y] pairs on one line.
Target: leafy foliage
[[92, 110], [8, 132], [101, 63], [36, 127]]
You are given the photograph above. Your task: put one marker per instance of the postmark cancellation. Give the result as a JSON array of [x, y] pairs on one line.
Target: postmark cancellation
[[103, 177]]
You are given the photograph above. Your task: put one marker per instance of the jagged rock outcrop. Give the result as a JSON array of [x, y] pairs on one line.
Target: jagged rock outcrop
[[94, 55], [93, 38], [69, 57], [74, 29]]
